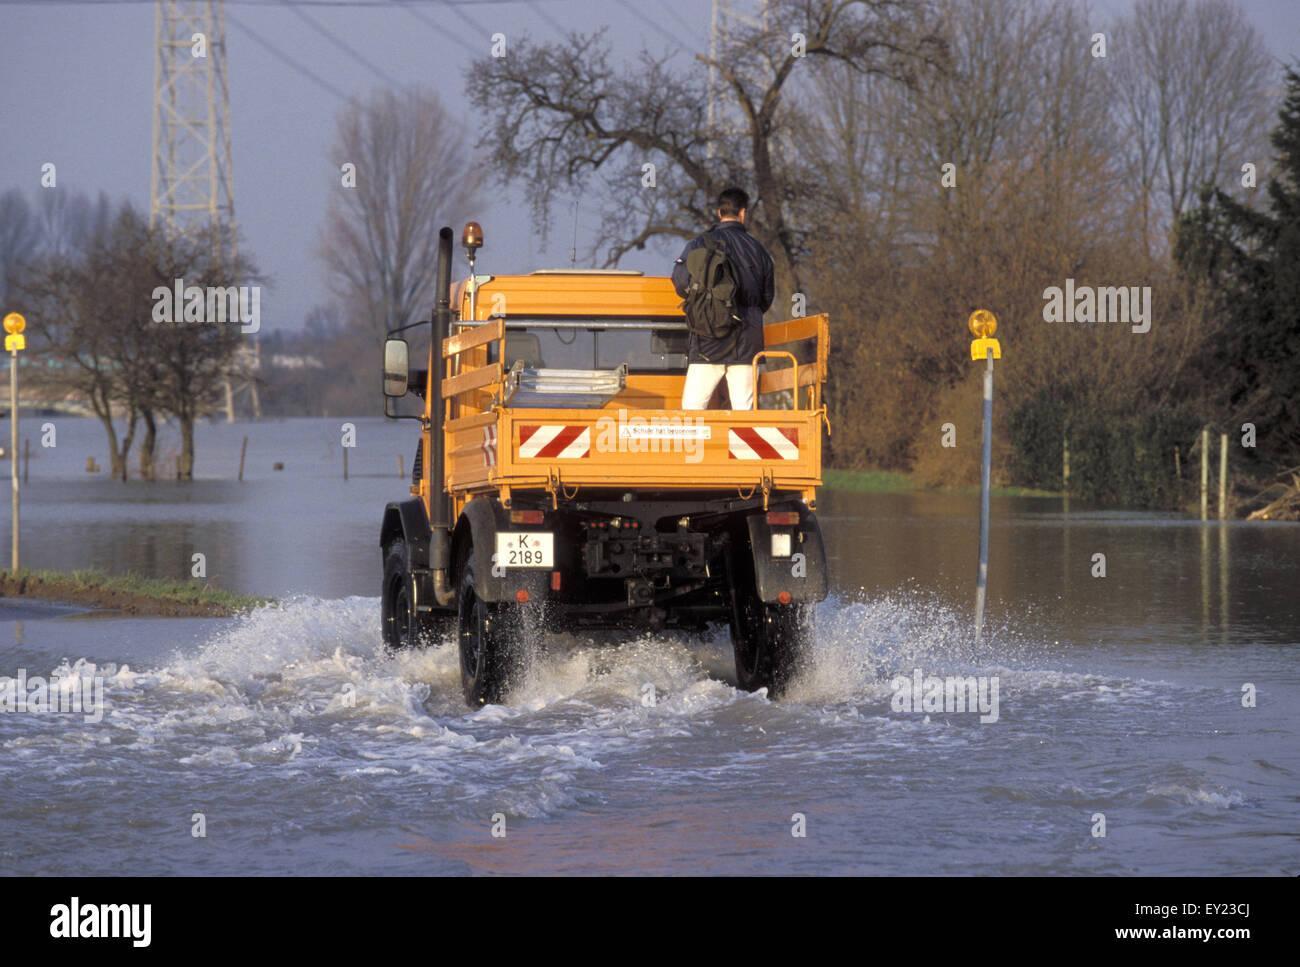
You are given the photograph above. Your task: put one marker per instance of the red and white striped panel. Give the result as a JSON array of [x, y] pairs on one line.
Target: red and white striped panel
[[556, 441], [489, 446], [763, 443]]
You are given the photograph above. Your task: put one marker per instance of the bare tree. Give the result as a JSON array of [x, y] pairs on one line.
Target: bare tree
[[562, 114], [976, 186], [1194, 88], [66, 301], [182, 367], [60, 222], [19, 240], [67, 220], [93, 312], [410, 173]]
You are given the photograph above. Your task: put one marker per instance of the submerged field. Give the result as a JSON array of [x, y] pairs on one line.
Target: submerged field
[[305, 747]]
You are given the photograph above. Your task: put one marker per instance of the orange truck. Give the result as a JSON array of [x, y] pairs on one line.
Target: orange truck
[[558, 486]]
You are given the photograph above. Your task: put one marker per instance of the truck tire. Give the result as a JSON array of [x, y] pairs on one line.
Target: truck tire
[[489, 650], [398, 611], [770, 641]]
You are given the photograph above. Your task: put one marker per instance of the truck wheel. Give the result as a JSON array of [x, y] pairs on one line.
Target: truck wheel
[[489, 660], [399, 622], [770, 641]]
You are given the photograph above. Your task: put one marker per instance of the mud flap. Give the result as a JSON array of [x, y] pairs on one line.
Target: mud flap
[[408, 520], [480, 521], [803, 573]]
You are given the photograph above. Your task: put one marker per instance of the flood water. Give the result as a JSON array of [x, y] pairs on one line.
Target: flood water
[[309, 749]]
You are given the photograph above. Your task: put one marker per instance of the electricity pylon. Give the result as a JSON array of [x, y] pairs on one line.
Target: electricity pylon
[[193, 187], [192, 190]]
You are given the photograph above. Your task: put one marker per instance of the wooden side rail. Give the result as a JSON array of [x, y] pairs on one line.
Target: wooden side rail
[[463, 375], [812, 373]]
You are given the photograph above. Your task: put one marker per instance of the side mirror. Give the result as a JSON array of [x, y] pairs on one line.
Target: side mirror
[[396, 368]]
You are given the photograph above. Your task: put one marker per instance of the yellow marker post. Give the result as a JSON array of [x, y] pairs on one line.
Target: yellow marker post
[[15, 341], [983, 325]]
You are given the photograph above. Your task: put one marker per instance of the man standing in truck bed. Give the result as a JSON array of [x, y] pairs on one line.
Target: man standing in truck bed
[[708, 360]]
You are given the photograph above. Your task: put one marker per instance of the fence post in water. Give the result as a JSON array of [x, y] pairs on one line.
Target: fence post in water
[[401, 467], [983, 325], [1065, 464], [1223, 476], [15, 342], [242, 451], [27, 458], [345, 463], [1205, 473]]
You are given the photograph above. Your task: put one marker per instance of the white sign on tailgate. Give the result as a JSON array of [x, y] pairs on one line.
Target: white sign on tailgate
[[525, 549]]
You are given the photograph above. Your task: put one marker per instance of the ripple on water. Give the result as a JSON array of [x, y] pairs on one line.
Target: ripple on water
[[322, 725]]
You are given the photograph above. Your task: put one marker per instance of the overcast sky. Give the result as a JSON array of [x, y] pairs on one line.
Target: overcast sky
[[76, 88]]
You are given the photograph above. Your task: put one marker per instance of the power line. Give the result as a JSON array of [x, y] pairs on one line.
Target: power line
[[646, 20], [363, 4], [410, 8], [677, 16], [351, 52], [281, 55], [555, 25]]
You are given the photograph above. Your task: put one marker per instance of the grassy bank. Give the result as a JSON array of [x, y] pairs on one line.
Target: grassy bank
[[129, 594], [882, 482]]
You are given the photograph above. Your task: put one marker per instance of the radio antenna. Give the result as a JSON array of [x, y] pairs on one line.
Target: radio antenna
[[573, 256]]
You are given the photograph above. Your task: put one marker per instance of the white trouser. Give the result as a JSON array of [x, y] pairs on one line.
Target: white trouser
[[703, 378]]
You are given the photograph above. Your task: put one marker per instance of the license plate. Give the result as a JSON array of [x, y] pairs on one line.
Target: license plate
[[525, 549]]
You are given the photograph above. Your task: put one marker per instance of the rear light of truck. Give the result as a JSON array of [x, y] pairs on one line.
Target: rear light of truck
[[526, 517], [786, 517]]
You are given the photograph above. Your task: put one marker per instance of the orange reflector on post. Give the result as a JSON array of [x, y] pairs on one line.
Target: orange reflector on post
[[522, 596], [783, 517], [784, 597], [555, 580]]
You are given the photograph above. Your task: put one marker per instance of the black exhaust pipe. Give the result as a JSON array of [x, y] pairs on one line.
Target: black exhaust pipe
[[439, 505]]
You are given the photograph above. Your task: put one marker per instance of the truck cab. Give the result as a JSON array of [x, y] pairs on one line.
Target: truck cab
[[559, 485]]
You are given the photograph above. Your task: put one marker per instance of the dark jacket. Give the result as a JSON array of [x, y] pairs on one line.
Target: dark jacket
[[757, 287]]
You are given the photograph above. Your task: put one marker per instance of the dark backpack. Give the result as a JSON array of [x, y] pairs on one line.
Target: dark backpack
[[710, 303]]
